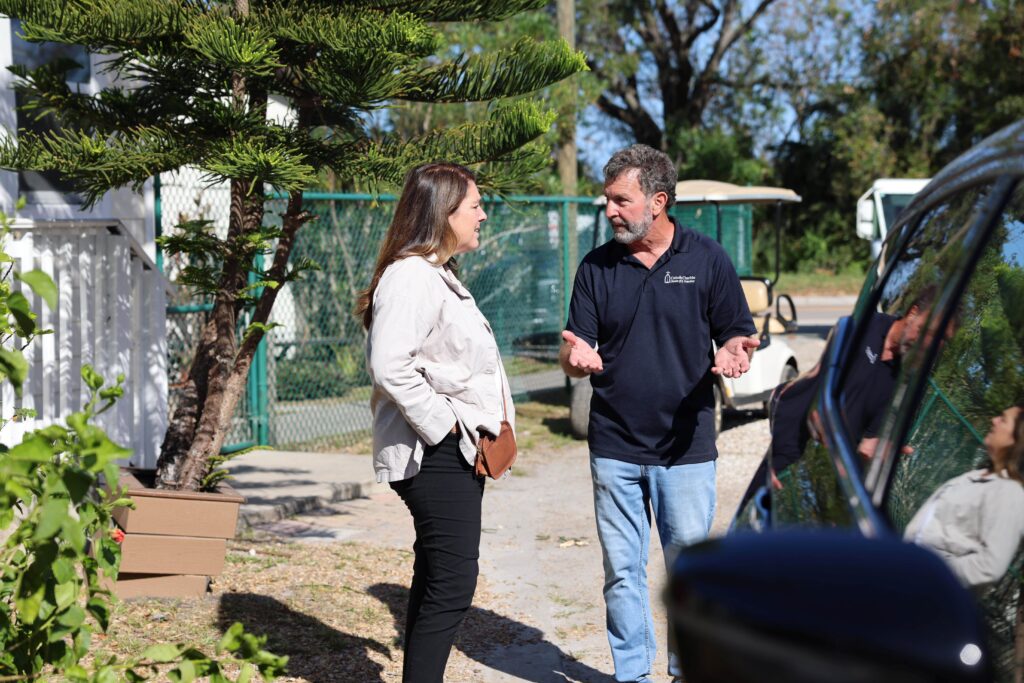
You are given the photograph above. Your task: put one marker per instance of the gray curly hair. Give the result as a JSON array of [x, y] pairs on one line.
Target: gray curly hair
[[656, 172]]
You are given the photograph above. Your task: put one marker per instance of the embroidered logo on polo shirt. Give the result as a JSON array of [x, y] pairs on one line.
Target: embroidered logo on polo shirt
[[872, 357], [671, 279]]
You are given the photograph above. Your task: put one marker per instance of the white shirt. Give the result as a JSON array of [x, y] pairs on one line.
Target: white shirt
[[433, 361]]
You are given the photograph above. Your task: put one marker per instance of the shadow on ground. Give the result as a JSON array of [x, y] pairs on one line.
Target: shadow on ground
[[737, 418], [316, 652], [500, 643]]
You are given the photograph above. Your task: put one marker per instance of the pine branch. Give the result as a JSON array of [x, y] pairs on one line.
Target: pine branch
[[526, 66], [46, 92], [430, 10], [378, 77], [181, 77], [497, 139], [247, 47], [100, 24], [516, 172], [354, 32], [96, 163], [261, 160]]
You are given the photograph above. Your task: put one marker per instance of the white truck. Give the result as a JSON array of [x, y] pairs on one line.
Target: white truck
[[878, 208]]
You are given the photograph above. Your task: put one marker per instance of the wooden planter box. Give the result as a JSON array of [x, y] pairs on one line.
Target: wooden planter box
[[174, 541]]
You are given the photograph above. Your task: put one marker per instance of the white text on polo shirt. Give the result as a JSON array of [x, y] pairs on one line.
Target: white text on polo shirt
[[679, 279]]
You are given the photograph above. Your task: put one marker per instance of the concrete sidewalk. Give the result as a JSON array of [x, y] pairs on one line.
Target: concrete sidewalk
[[279, 484]]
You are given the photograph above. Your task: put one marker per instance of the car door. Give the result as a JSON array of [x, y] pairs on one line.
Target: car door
[[874, 355], [936, 446]]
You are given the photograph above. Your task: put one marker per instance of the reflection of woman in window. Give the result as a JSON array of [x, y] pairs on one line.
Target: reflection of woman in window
[[976, 521]]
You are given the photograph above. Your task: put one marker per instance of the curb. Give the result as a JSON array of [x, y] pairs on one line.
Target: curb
[[836, 300], [256, 514]]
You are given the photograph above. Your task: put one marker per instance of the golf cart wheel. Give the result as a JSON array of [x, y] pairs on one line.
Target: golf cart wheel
[[718, 409], [579, 407]]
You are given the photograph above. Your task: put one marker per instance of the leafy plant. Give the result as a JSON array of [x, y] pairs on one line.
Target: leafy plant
[[60, 554]]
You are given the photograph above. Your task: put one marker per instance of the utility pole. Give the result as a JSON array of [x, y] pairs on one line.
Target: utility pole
[[567, 141]]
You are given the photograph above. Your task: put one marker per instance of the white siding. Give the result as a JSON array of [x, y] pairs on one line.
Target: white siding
[[110, 314]]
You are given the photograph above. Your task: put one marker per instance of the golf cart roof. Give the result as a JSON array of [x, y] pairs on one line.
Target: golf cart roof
[[712, 191]]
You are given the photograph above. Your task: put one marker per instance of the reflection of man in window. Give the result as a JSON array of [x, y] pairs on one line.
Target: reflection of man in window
[[975, 522], [867, 388]]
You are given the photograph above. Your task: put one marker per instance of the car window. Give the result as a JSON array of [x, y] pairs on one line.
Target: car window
[[956, 485], [888, 335], [979, 371], [878, 342]]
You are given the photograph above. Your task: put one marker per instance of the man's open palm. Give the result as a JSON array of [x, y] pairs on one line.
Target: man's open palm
[[733, 359], [582, 355]]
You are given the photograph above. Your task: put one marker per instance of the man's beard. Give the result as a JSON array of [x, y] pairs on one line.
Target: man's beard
[[633, 231]]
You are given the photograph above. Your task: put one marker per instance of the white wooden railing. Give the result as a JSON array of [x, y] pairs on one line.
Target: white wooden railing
[[110, 314]]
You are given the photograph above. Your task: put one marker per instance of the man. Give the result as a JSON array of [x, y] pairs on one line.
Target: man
[[867, 388], [652, 302]]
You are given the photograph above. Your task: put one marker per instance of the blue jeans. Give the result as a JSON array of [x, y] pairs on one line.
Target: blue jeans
[[682, 498]]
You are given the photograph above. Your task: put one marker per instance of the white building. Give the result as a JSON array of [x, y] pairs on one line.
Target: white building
[[112, 298]]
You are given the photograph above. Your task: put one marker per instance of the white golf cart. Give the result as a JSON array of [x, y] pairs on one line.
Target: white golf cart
[[774, 362]]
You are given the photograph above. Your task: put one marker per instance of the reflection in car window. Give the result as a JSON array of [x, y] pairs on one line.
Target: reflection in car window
[[892, 331], [956, 486], [806, 488]]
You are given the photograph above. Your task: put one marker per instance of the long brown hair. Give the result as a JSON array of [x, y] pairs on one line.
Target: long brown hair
[[1015, 463], [432, 193]]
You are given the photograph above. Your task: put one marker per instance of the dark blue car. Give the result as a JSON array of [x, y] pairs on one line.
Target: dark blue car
[[881, 540]]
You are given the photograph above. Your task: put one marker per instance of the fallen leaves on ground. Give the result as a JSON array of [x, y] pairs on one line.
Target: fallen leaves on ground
[[335, 609]]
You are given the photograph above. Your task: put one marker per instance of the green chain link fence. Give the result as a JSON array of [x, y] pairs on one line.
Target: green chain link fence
[[309, 389], [945, 445]]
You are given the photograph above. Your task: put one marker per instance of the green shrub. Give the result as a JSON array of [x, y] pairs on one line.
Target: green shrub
[[62, 551]]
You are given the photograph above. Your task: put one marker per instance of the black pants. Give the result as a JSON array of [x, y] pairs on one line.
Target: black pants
[[444, 499]]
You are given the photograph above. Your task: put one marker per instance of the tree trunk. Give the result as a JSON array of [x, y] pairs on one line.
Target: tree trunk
[[197, 430], [567, 171], [220, 369]]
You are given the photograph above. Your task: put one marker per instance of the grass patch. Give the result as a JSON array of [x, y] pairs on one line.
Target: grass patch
[[336, 610], [521, 365], [819, 284], [543, 422]]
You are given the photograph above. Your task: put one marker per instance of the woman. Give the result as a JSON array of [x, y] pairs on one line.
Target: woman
[[437, 382], [976, 521]]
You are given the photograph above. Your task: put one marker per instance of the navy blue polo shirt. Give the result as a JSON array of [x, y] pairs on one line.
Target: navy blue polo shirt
[[653, 402]]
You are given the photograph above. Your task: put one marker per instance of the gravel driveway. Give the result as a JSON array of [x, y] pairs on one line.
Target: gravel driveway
[[541, 569]]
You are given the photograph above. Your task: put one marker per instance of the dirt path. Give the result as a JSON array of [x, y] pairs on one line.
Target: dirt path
[[541, 571], [540, 559]]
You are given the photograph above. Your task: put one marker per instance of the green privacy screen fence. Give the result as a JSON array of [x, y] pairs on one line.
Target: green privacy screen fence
[[309, 388]]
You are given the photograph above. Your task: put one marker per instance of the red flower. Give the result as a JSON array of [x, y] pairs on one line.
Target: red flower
[[117, 535]]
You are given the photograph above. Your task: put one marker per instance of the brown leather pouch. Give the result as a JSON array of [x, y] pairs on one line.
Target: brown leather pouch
[[495, 454]]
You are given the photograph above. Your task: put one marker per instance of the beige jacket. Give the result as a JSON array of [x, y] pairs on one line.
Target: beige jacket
[[433, 360], [975, 522]]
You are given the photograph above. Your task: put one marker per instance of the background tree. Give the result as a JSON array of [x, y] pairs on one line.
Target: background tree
[[890, 89], [202, 74], [822, 96], [666, 74]]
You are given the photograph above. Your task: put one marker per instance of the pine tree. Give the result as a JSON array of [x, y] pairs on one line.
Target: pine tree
[[201, 73]]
